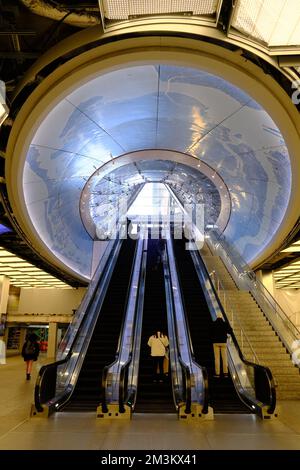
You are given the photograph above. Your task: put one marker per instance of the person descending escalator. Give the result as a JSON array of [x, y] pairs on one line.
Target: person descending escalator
[[158, 343], [160, 247]]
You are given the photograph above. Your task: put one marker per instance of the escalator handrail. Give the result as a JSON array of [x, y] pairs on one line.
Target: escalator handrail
[[38, 385], [185, 369], [126, 365], [267, 371], [107, 367], [94, 282], [55, 364], [203, 369], [188, 385]]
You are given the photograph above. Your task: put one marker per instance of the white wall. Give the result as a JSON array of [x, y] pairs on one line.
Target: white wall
[[289, 301], [50, 301]]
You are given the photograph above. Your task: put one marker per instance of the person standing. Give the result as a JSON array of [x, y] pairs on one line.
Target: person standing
[[220, 330], [158, 344], [2, 351], [30, 353], [160, 248]]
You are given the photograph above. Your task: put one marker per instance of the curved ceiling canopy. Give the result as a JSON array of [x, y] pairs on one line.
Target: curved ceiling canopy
[[120, 179], [149, 107]]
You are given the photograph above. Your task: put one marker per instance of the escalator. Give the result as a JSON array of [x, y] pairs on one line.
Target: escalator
[[223, 397], [104, 341], [153, 397]]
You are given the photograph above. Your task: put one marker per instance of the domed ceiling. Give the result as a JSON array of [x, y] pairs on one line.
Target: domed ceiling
[[151, 107]]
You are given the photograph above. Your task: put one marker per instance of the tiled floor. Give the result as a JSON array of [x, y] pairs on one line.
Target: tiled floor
[[147, 432]]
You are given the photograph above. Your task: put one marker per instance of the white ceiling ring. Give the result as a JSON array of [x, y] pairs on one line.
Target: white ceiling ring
[[152, 155]]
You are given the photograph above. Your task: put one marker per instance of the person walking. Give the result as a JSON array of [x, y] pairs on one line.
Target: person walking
[[158, 343], [220, 330], [30, 353]]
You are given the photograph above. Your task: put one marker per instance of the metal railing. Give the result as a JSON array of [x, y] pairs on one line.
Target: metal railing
[[233, 317], [246, 279]]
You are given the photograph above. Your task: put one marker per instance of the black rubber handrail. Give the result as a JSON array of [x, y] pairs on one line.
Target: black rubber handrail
[[267, 372], [125, 367], [44, 369], [185, 369], [203, 369], [107, 367], [188, 385]]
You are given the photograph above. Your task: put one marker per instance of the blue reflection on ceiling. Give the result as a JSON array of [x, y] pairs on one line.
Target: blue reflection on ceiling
[[163, 107]]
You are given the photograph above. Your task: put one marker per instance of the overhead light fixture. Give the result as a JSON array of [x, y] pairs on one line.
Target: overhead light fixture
[[24, 274], [120, 10], [273, 22]]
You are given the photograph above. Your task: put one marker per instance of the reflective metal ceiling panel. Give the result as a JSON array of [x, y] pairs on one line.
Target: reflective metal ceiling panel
[[151, 107]]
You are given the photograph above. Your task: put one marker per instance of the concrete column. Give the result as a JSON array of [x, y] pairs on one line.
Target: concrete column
[[4, 292], [52, 340]]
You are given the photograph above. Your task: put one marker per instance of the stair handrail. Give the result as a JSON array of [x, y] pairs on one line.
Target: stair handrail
[[235, 317], [245, 276]]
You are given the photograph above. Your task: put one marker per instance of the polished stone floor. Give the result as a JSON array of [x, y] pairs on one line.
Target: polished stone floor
[[72, 431]]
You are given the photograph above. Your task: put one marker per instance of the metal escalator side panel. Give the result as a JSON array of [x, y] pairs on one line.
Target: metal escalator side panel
[[242, 371], [68, 339], [114, 373], [197, 373], [69, 371], [49, 386], [175, 366], [133, 370], [68, 375]]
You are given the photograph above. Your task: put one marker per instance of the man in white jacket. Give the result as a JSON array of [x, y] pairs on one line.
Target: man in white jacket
[[158, 344]]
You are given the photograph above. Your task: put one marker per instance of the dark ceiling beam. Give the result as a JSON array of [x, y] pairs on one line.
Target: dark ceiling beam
[[18, 55], [21, 32], [226, 14]]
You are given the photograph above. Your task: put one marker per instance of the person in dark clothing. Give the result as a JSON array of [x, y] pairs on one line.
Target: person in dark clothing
[[220, 330], [159, 252], [30, 353]]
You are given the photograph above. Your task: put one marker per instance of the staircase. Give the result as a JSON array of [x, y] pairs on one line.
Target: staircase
[[268, 347]]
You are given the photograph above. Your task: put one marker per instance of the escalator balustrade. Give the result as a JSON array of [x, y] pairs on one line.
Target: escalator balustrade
[[223, 397], [104, 341]]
